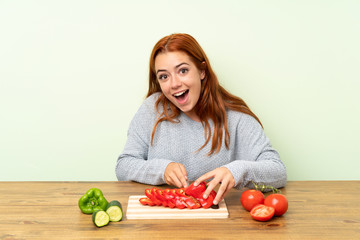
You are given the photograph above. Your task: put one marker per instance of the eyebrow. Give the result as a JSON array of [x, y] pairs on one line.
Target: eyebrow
[[177, 66]]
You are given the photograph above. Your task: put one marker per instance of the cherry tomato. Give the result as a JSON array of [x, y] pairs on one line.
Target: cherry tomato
[[262, 213], [278, 202], [250, 198]]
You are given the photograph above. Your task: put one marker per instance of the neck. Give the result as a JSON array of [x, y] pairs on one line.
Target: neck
[[192, 114]]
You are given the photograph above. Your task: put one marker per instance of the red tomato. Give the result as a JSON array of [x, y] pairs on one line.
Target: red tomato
[[250, 198], [262, 213], [278, 202]]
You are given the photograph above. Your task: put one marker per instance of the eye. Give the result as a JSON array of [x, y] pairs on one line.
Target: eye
[[162, 77], [183, 70]]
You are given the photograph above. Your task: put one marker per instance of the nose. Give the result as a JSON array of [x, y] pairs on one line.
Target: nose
[[175, 82]]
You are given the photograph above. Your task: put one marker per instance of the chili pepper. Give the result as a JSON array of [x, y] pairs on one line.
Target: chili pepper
[[92, 200]]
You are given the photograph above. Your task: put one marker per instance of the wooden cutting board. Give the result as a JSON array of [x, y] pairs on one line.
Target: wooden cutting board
[[135, 210]]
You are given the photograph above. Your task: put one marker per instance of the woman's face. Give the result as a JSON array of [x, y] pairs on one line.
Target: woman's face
[[180, 80]]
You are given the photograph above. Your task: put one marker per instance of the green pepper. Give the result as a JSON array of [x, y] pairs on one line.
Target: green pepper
[[92, 200]]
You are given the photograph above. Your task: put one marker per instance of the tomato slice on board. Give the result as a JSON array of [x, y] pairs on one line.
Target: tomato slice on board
[[262, 213]]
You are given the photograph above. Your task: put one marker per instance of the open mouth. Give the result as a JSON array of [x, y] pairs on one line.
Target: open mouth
[[181, 96]]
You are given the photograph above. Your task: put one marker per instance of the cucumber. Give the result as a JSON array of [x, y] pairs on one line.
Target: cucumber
[[100, 218], [114, 210]]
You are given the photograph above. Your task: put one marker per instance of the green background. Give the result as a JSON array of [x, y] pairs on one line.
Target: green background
[[73, 74]]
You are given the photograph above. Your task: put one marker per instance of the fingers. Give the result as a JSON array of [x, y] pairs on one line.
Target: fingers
[[211, 186], [175, 174], [204, 177], [181, 175], [184, 180], [220, 176], [224, 188]]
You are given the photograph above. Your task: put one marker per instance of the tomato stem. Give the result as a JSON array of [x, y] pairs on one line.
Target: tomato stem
[[262, 187]]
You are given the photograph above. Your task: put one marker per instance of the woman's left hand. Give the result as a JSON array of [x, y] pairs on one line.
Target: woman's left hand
[[220, 175]]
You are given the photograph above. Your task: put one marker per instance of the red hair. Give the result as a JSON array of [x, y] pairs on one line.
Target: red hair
[[213, 100]]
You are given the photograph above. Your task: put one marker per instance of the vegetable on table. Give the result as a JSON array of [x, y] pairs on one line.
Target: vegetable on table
[[100, 218], [264, 208], [92, 201], [190, 197], [114, 210], [250, 198], [262, 213], [278, 202]]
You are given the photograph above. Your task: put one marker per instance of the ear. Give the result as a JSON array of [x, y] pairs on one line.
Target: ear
[[202, 74]]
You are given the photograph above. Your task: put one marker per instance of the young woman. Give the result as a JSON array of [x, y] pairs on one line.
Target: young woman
[[190, 128]]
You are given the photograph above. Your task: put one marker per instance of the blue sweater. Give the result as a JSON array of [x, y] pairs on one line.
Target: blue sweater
[[250, 156]]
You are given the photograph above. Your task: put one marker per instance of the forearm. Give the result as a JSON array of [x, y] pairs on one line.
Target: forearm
[[270, 172], [129, 168]]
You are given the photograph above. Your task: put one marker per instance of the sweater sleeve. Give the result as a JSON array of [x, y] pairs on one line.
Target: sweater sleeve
[[133, 164], [254, 157]]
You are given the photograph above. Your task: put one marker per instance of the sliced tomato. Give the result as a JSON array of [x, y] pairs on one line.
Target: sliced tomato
[[146, 201], [262, 213]]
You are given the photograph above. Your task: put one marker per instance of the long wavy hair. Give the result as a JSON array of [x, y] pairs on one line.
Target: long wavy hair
[[213, 100]]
